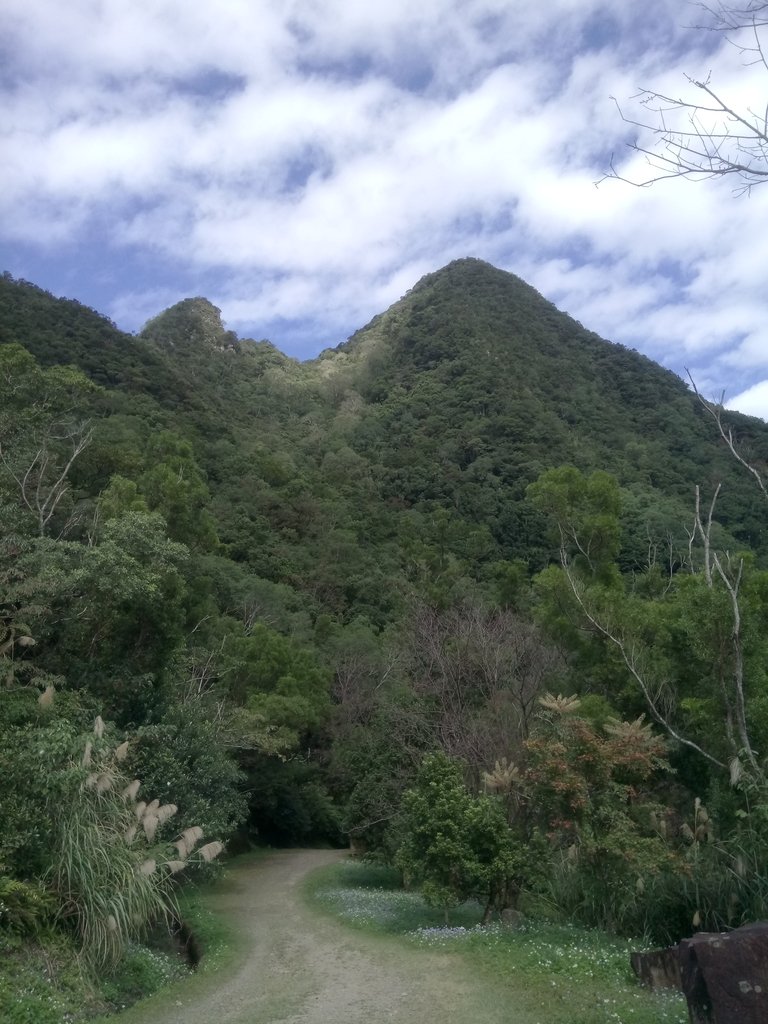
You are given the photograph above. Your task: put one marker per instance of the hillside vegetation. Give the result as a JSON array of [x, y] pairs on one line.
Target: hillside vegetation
[[443, 591]]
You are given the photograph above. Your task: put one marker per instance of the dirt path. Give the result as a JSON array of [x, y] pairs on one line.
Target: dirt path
[[299, 967]]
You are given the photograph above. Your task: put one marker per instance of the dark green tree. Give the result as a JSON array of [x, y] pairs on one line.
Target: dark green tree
[[453, 845]]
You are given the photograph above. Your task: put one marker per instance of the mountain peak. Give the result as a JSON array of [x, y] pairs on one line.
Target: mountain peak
[[466, 305], [470, 273], [192, 322]]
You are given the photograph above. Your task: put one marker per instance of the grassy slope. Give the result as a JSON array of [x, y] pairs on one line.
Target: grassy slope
[[45, 983]]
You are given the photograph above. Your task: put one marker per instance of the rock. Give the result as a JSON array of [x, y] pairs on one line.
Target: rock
[[511, 919], [659, 969], [357, 846], [187, 943], [723, 975]]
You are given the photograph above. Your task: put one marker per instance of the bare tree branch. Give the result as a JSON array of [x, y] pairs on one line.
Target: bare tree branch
[[704, 136], [40, 491], [705, 533], [732, 586], [715, 410], [652, 694]]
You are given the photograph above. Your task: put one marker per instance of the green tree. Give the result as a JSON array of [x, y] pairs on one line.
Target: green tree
[[684, 643], [120, 495], [173, 485], [453, 845], [278, 680], [109, 616], [584, 511]]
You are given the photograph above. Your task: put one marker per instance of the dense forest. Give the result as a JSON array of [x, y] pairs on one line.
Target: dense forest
[[477, 591]]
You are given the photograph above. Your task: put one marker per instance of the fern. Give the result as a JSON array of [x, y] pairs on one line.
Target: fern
[[26, 908]]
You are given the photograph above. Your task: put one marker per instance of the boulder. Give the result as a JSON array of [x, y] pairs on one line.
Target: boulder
[[512, 919], [723, 975]]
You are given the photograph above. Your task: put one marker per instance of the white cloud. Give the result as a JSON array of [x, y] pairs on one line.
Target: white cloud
[[322, 154], [752, 402]]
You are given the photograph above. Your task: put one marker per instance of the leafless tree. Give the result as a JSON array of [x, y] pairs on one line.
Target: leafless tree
[[700, 135], [715, 410], [481, 672], [42, 477], [42, 435]]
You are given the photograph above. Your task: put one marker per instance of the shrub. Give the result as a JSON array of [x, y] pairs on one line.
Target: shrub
[[25, 907], [454, 845], [183, 757]]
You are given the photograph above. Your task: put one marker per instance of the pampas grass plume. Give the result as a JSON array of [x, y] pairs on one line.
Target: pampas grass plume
[[149, 824], [130, 791], [46, 698], [210, 850], [165, 812], [104, 783], [192, 835]]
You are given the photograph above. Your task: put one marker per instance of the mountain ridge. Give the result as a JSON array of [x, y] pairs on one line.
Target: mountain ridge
[[458, 395]]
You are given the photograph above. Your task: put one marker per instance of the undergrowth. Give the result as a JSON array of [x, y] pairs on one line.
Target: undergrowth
[[219, 941], [571, 975], [44, 981]]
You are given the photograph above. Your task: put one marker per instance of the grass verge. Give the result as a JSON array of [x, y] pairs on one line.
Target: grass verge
[[222, 945], [568, 975], [44, 981]]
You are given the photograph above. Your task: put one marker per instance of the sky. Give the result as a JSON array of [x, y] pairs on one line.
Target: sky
[[303, 163]]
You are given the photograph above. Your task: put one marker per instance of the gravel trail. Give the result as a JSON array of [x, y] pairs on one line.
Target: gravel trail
[[297, 966]]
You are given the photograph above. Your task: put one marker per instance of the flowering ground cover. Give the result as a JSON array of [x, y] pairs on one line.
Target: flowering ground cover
[[580, 976], [46, 982], [48, 985]]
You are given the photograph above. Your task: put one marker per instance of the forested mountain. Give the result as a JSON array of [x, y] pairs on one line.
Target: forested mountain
[[285, 584], [451, 402]]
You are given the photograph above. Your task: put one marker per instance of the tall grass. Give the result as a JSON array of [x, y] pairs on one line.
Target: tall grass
[[111, 870], [99, 879], [709, 884]]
